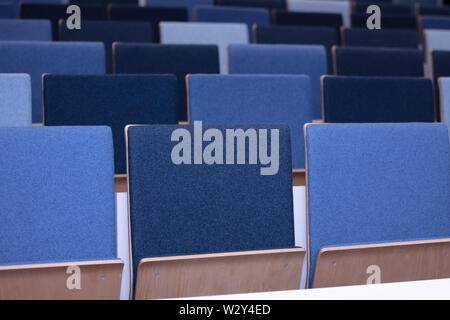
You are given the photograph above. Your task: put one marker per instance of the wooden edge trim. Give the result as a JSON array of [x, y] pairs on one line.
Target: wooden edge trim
[[120, 183], [186, 79], [333, 52], [130, 254], [441, 99], [342, 31], [298, 177], [60, 264]]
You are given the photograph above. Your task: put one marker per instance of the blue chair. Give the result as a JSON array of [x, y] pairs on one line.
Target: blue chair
[[39, 57], [317, 19], [386, 8], [433, 10], [8, 11], [148, 14], [389, 208], [444, 89], [110, 100], [359, 20], [270, 4], [104, 2], [33, 30], [250, 16], [386, 62], [282, 59], [179, 60], [216, 99], [363, 37], [233, 211], [108, 32], [414, 3], [338, 7], [440, 61], [58, 187], [434, 22], [326, 36], [188, 4], [377, 99], [55, 12], [15, 102]]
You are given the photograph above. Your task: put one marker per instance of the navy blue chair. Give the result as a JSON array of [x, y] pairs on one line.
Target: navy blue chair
[[108, 32], [432, 10], [55, 12], [363, 37], [188, 4], [58, 186], [440, 61], [386, 8], [271, 4], [362, 61], [283, 17], [110, 100], [8, 11], [174, 59], [359, 20], [104, 2], [18, 29], [435, 22], [181, 205], [326, 36], [148, 14], [389, 209], [377, 99]]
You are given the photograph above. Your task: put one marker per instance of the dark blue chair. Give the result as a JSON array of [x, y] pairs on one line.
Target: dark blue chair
[[434, 22], [271, 4], [440, 61], [433, 10], [188, 4], [8, 10], [283, 17], [363, 37], [386, 8], [359, 20]]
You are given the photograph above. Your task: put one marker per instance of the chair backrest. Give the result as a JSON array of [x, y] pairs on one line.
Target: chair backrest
[[108, 32], [8, 11], [439, 11], [38, 57], [394, 62], [104, 2], [326, 36], [435, 22], [148, 14], [413, 3], [283, 17], [241, 99], [386, 8], [440, 62], [15, 102], [55, 12], [341, 7], [377, 99], [444, 87], [58, 186], [179, 60], [188, 4], [19, 29], [179, 209], [391, 184], [271, 4], [282, 59], [220, 34], [249, 16], [363, 37], [359, 20], [110, 100]]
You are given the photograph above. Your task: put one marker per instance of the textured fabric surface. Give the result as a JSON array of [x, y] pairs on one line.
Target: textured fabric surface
[[220, 34], [148, 14], [58, 188], [360, 61], [108, 32], [359, 20], [195, 209], [397, 38], [188, 4], [326, 36], [283, 17], [38, 57], [282, 59], [174, 59], [271, 4], [241, 99], [110, 100], [413, 3], [435, 22], [377, 99], [249, 16], [15, 100], [341, 7], [7, 11], [386, 8], [385, 183], [16, 29], [441, 68], [54, 12], [445, 102], [439, 11]]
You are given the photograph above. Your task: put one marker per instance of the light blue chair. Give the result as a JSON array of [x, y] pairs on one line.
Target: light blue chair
[[39, 57], [341, 7], [220, 34], [444, 88], [25, 29], [15, 100], [282, 59]]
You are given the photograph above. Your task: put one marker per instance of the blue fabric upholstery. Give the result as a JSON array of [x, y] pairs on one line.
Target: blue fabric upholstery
[[15, 102], [188, 4], [105, 2], [58, 187], [38, 57], [241, 99], [363, 37], [8, 11], [439, 11], [250, 16], [326, 36], [282, 59], [341, 7], [359, 20], [435, 22], [54, 12], [175, 59], [445, 101], [283, 17], [196, 209], [220, 34], [110, 100], [360, 61], [386, 8], [16, 29], [391, 183], [271, 4], [413, 3], [377, 99], [148, 14], [108, 32], [441, 68]]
